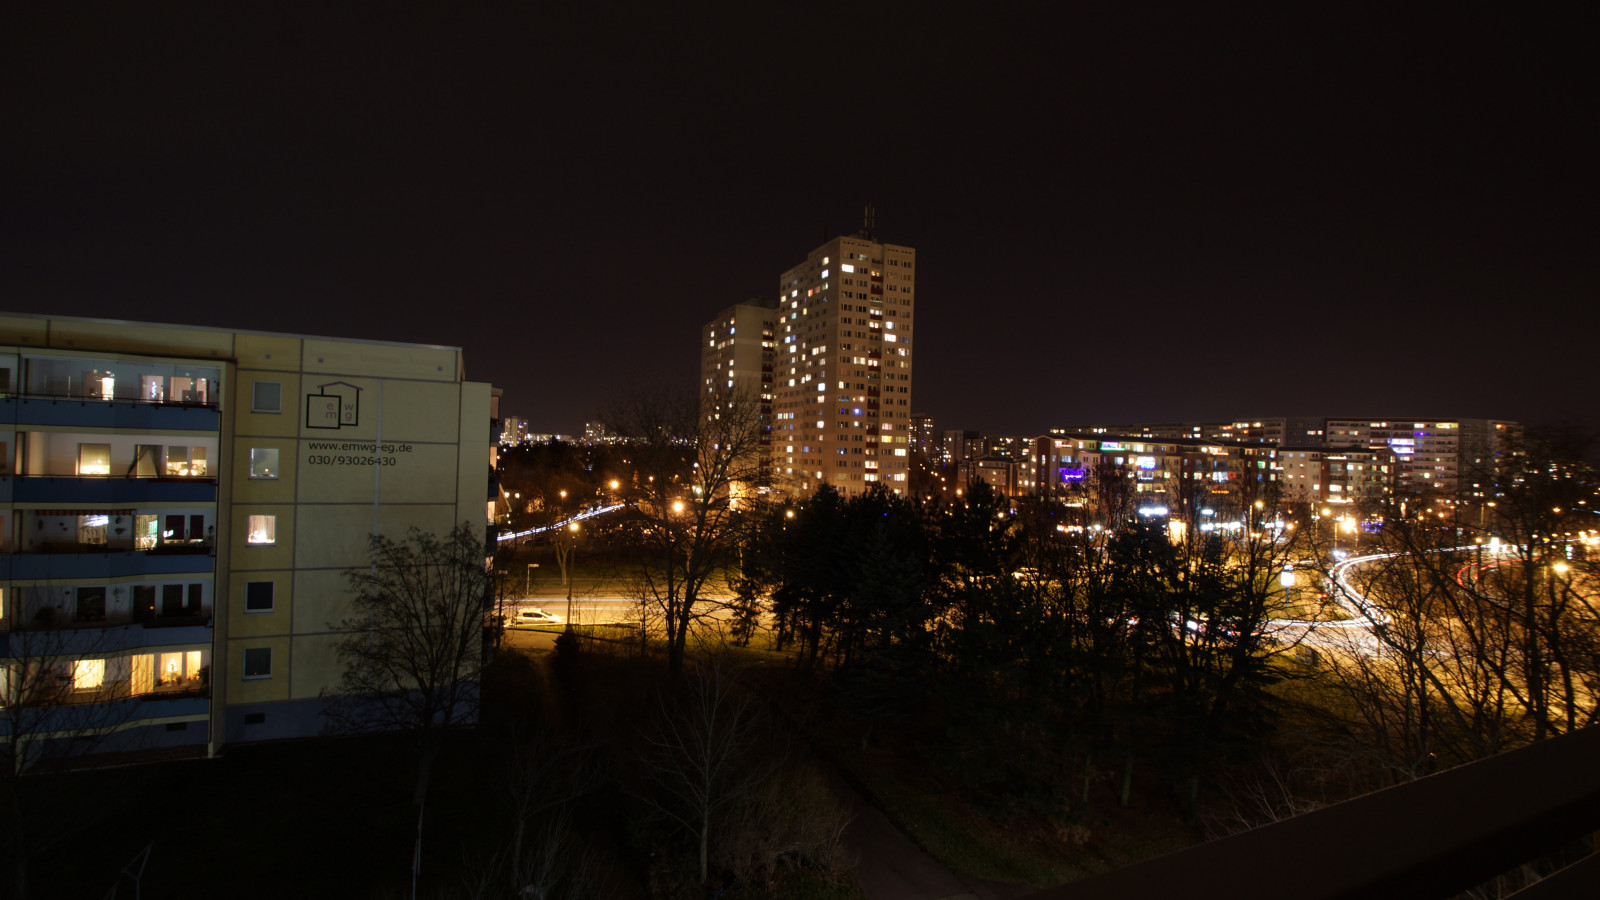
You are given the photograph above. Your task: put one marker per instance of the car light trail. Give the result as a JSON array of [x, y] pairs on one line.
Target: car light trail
[[587, 514]]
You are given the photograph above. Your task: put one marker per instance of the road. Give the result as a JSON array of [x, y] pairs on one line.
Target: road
[[600, 610]]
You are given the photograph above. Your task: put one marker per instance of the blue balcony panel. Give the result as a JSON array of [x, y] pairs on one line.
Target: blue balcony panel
[[91, 640], [156, 706], [172, 637], [37, 566], [106, 719], [109, 414], [53, 489]]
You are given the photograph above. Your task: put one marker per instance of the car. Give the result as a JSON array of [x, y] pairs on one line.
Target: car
[[533, 618]]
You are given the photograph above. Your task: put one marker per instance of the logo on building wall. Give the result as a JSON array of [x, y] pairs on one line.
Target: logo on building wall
[[334, 405]]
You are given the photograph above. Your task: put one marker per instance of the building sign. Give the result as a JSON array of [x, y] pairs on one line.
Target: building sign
[[334, 405]]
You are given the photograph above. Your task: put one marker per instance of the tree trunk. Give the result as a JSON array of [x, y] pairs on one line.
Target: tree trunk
[[705, 840], [429, 750]]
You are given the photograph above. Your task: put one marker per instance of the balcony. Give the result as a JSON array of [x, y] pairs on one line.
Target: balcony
[[92, 561], [111, 490], [62, 708], [79, 412]]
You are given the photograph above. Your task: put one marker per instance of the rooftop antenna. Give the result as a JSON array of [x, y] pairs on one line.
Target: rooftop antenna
[[867, 222]]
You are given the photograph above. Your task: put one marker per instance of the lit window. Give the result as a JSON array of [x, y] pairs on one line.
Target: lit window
[[141, 673], [263, 462], [262, 530], [257, 663], [88, 674], [183, 461], [266, 396], [94, 459]]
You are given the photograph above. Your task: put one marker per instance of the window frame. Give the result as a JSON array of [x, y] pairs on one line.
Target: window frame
[[277, 454], [84, 670], [92, 447], [255, 397], [272, 604], [244, 664], [271, 521]]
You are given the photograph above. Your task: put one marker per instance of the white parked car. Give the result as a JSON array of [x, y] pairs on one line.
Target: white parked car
[[533, 618]]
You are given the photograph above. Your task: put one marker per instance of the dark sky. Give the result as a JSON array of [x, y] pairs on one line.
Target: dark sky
[[1124, 214]]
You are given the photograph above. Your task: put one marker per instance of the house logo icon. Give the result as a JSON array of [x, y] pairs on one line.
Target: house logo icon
[[334, 405]]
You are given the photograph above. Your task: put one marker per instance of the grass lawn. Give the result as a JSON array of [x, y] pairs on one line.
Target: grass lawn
[[1031, 851]]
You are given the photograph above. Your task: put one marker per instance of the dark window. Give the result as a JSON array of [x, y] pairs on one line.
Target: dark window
[[258, 596], [144, 602], [258, 662], [196, 593], [172, 600], [174, 529], [91, 603]]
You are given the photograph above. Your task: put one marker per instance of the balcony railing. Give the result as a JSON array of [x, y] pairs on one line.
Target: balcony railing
[[209, 403], [1434, 837], [51, 619]]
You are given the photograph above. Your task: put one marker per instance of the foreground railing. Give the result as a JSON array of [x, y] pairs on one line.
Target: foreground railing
[[1434, 837]]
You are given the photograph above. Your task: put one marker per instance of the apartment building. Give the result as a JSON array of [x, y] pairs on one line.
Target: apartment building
[[736, 367], [843, 366], [1430, 457], [1064, 463], [1317, 474], [178, 507]]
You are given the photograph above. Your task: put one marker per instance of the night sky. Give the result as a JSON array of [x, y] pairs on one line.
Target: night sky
[[1119, 213]]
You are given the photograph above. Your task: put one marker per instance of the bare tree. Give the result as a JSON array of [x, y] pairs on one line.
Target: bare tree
[[64, 693], [697, 471], [792, 818], [414, 644], [697, 750]]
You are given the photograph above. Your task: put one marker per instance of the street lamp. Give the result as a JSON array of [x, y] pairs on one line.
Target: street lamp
[[573, 528]]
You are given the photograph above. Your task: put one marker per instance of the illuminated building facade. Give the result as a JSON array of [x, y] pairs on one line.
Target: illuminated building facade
[[736, 366], [1316, 475], [179, 506], [1063, 463], [1430, 457], [843, 367], [1437, 456], [924, 439]]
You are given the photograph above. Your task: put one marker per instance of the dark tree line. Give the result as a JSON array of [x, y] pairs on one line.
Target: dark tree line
[[1029, 653]]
